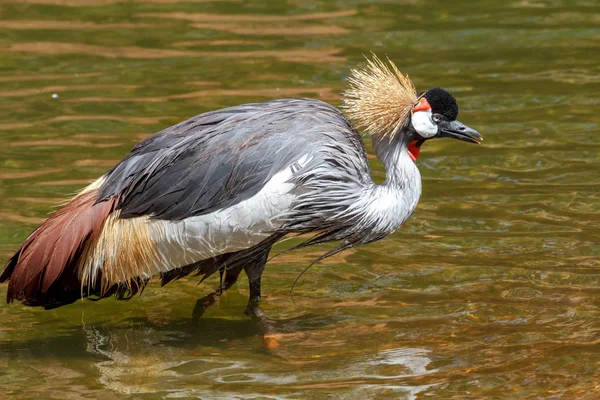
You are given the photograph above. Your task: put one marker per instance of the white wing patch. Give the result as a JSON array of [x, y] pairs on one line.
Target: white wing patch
[[231, 229]]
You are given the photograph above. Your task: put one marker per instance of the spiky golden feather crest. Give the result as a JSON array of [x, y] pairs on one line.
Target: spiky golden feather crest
[[379, 98]]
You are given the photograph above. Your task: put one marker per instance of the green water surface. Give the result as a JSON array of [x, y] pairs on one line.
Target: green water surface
[[491, 290]]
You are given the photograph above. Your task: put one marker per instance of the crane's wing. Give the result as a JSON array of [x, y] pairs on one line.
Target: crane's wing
[[217, 159]]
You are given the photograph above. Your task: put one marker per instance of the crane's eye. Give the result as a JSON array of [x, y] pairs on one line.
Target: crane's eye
[[437, 118]]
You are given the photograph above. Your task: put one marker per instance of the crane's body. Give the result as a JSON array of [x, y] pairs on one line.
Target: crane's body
[[215, 193]]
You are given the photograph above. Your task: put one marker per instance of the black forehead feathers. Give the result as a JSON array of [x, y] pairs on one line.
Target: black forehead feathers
[[442, 102]]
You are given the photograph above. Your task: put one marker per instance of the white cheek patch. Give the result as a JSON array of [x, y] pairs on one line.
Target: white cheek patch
[[423, 124]]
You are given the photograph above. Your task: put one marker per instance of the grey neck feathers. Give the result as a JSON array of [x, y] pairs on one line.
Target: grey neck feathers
[[393, 153]]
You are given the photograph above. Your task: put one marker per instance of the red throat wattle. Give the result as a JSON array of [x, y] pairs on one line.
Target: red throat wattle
[[413, 150]]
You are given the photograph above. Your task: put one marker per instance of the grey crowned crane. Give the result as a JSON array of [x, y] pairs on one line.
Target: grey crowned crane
[[216, 192]]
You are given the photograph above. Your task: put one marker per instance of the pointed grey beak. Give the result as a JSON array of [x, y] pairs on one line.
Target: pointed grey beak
[[458, 130]]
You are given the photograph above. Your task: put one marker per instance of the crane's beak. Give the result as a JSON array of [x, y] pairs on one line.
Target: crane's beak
[[458, 130]]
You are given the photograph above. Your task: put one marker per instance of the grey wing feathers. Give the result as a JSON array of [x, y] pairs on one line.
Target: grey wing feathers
[[220, 158]]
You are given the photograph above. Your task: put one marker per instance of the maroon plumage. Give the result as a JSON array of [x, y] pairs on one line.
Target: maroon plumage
[[45, 269]]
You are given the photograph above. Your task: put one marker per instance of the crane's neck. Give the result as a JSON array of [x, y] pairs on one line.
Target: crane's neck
[[400, 169], [391, 203]]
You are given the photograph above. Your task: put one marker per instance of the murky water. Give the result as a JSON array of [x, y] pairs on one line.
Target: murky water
[[491, 289]]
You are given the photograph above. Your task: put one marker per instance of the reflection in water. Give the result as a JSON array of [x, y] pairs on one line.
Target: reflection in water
[[62, 88], [43, 77], [415, 360], [137, 360], [20, 218], [27, 174], [326, 55], [205, 17], [61, 143], [88, 3], [67, 25], [491, 289], [322, 93], [262, 25], [275, 31]]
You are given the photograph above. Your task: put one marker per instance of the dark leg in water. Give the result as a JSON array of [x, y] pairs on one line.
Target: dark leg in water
[[254, 272], [264, 325], [230, 266], [231, 276]]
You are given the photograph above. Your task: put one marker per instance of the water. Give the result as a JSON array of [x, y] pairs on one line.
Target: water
[[490, 290]]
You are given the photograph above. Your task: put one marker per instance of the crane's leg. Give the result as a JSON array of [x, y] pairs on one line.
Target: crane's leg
[[231, 275], [254, 272], [230, 266], [265, 325]]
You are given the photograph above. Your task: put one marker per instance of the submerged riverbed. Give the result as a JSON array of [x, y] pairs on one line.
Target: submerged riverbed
[[489, 291]]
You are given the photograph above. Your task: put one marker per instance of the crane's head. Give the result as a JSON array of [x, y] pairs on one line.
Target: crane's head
[[434, 116], [385, 104]]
